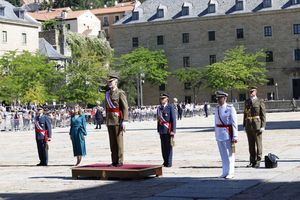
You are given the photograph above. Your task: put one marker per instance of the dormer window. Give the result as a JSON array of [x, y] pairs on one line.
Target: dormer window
[[267, 3], [135, 15], [2, 9], [211, 8], [239, 5], [294, 2], [161, 9], [160, 13], [20, 13], [185, 10]]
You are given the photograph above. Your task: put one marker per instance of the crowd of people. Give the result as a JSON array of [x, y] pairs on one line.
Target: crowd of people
[[21, 118]]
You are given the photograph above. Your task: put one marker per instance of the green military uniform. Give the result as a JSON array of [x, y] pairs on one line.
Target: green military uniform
[[116, 114], [254, 123]]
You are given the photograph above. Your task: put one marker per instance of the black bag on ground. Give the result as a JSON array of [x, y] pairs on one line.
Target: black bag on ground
[[271, 161]]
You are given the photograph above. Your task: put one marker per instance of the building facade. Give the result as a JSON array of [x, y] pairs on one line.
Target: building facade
[[196, 33], [109, 16], [82, 21], [18, 31]]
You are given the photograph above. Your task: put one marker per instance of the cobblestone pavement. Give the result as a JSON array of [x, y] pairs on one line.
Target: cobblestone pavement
[[194, 175]]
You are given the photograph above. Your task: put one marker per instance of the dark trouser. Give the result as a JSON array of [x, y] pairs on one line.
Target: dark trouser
[[206, 113], [116, 144], [43, 151], [166, 149], [98, 124], [179, 116], [255, 145]]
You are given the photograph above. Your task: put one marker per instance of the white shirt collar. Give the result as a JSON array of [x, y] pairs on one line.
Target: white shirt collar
[[253, 98], [224, 105]]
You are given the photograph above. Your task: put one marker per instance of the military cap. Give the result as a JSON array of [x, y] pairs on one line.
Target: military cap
[[221, 94], [113, 75], [164, 95], [252, 88]]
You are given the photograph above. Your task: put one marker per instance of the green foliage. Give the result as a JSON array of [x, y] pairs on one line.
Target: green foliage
[[25, 76], [152, 64], [79, 4], [15, 2], [189, 75], [237, 71], [49, 24], [90, 61]]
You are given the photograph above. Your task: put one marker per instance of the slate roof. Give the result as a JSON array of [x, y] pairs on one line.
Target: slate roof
[[198, 8], [9, 15], [47, 50]]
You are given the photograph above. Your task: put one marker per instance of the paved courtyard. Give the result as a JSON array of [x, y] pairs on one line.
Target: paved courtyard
[[194, 175]]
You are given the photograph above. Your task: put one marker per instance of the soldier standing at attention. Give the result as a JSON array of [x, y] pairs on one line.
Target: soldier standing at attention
[[116, 119], [43, 133], [254, 123], [166, 127], [226, 131]]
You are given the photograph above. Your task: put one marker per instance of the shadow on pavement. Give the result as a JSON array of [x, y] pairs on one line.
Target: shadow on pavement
[[174, 188]]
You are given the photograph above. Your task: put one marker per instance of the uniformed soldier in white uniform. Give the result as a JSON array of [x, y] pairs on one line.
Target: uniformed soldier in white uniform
[[226, 131]]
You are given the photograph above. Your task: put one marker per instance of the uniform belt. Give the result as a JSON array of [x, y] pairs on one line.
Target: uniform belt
[[254, 117], [223, 126]]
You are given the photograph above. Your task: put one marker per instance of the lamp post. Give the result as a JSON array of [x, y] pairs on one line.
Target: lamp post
[[276, 91], [142, 76]]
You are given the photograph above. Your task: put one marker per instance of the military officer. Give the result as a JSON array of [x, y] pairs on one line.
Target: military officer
[[116, 118], [166, 127], [254, 123], [226, 132], [43, 133]]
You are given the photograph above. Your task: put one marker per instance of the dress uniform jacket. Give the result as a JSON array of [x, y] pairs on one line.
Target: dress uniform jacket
[[118, 100], [254, 114], [228, 117], [168, 114], [45, 124]]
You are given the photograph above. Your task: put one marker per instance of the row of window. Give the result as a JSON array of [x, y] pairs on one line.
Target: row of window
[[5, 37], [212, 35], [213, 58], [211, 8]]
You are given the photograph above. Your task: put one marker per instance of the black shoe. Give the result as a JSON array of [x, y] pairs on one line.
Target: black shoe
[[40, 164], [250, 165], [119, 165], [112, 165]]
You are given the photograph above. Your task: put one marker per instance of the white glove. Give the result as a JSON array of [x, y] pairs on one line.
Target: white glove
[[124, 124], [262, 129]]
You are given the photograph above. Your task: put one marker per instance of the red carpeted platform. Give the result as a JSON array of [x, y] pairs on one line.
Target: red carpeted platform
[[128, 171]]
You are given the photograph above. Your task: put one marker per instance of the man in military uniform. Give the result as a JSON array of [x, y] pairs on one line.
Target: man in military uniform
[[43, 133], [226, 132], [116, 118], [166, 127], [254, 123]]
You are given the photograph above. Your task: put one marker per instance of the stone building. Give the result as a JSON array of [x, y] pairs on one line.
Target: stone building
[[18, 31], [110, 15], [198, 32]]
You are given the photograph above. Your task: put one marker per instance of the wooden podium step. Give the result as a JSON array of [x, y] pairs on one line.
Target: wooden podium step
[[128, 171]]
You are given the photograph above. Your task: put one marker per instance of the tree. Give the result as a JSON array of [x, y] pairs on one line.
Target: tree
[[150, 64], [237, 71], [90, 63], [190, 75], [15, 2], [28, 75]]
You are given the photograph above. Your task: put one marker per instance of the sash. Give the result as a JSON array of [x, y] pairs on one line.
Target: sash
[[111, 107], [223, 125], [163, 122], [108, 99], [40, 130]]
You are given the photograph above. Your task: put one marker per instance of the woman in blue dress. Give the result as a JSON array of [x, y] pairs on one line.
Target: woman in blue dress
[[78, 133]]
